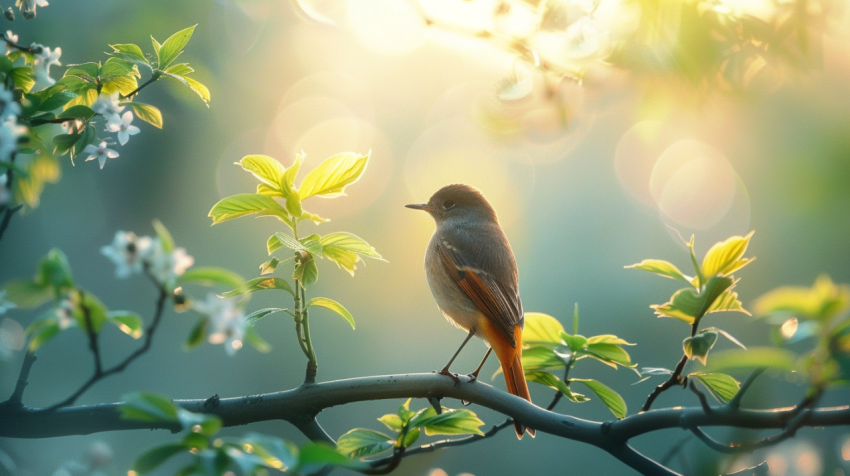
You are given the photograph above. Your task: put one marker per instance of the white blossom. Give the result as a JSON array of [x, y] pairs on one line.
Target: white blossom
[[65, 313], [227, 322], [72, 126], [9, 132], [100, 152], [167, 266], [28, 7], [108, 106], [5, 305], [9, 108], [128, 252], [43, 61], [123, 128]]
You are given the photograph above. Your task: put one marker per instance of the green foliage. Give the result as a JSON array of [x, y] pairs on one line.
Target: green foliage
[[721, 386], [407, 426], [547, 347], [697, 347], [210, 276]]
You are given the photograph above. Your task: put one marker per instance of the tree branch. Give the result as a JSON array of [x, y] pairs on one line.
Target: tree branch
[[23, 379]]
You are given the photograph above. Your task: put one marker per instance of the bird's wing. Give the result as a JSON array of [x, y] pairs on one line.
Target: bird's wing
[[497, 300]]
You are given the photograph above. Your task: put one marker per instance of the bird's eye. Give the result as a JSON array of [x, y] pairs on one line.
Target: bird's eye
[[448, 204]]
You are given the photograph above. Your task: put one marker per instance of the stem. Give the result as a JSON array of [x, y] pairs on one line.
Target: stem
[[156, 75], [312, 363], [5, 209], [558, 395], [27, 49], [92, 334], [23, 379], [675, 377]]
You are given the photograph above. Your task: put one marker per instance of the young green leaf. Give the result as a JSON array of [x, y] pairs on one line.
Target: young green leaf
[[260, 284], [721, 386], [264, 168], [145, 406], [269, 266], [687, 305], [405, 413], [346, 260], [824, 300], [42, 331], [609, 354], [77, 112], [164, 236], [754, 357], [306, 272], [697, 347], [610, 398], [330, 178], [607, 339], [129, 52], [289, 242], [27, 294], [195, 86], [243, 204], [392, 421], [541, 357], [275, 452], [333, 306], [257, 315], [23, 77], [146, 112], [198, 333], [349, 242], [361, 442], [555, 383], [661, 268], [575, 343], [451, 422], [154, 457], [542, 329], [210, 276], [173, 46], [254, 340], [726, 257], [312, 245], [128, 322], [314, 456]]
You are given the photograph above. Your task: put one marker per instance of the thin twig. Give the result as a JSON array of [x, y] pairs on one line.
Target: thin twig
[[735, 403], [92, 335], [160, 307], [703, 401], [132, 93], [558, 395], [23, 379], [675, 377], [26, 49], [7, 216]]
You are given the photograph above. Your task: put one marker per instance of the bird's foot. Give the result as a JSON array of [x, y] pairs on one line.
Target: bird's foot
[[454, 376]]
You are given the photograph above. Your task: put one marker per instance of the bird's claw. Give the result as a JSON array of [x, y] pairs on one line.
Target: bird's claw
[[454, 376]]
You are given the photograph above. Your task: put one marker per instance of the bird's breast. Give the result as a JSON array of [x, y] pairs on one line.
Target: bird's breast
[[453, 303]]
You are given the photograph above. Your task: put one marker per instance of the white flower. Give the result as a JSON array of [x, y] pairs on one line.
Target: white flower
[[167, 266], [5, 305], [28, 7], [41, 65], [100, 152], [9, 132], [108, 107], [74, 126], [123, 127], [5, 196], [65, 314], [128, 252], [9, 108], [227, 322]]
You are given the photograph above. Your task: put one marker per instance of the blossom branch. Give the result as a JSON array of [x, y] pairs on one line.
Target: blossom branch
[[36, 50]]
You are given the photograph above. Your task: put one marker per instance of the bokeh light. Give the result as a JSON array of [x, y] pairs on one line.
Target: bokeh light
[[387, 26]]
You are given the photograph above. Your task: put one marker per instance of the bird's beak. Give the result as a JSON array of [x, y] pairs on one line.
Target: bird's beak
[[419, 206]]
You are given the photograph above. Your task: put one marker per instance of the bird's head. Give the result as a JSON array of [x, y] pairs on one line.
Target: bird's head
[[457, 201]]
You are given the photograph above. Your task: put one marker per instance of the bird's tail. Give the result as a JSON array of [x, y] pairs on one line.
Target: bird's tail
[[511, 359]]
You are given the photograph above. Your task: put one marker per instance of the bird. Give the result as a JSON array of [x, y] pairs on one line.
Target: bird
[[473, 276]]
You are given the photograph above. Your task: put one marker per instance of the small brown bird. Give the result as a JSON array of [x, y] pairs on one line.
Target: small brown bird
[[473, 276]]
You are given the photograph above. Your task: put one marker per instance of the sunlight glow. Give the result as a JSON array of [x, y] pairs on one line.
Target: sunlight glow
[[845, 449], [11, 334], [789, 328], [387, 26]]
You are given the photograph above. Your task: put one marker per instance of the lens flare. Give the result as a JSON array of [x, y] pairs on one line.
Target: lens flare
[[636, 154], [387, 26]]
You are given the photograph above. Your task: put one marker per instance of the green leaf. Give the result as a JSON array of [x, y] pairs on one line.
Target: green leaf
[[145, 406], [721, 386], [607, 339], [55, 271], [306, 272], [129, 52], [697, 347], [27, 294], [575, 343], [275, 452], [553, 382], [289, 242], [23, 77], [156, 48], [451, 422], [154, 457], [41, 332], [312, 245], [333, 306], [349, 242], [661, 268], [404, 412], [273, 244], [392, 421], [77, 112], [164, 236], [86, 306], [688, 305], [541, 357], [727, 301], [330, 178], [199, 423], [195, 86], [243, 204], [314, 456], [57, 98], [259, 284], [541, 329], [610, 398], [610, 354], [346, 260], [754, 357], [726, 257], [824, 300], [305, 215], [87, 71], [198, 333], [410, 438], [361, 442], [173, 46], [128, 322], [269, 266], [264, 169], [257, 315], [181, 69], [146, 112], [210, 276], [116, 68], [254, 340]]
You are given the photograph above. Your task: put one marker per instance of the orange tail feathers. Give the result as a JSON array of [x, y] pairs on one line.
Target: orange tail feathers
[[511, 360]]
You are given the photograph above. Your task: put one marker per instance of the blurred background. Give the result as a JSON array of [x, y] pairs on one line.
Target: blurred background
[[597, 129]]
